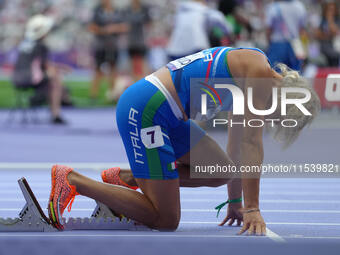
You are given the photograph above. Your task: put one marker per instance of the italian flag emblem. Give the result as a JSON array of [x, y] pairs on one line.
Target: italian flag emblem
[[172, 166]]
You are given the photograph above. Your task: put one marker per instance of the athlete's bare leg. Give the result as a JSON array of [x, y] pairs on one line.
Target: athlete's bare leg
[[197, 156], [157, 207], [112, 78], [98, 76], [56, 91], [138, 67]]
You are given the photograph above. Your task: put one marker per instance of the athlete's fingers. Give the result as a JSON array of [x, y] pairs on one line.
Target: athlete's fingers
[[251, 229], [258, 229], [224, 221], [231, 222], [239, 222], [264, 229], [243, 229]]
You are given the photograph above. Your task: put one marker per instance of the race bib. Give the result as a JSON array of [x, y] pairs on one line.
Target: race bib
[[182, 62], [152, 137]]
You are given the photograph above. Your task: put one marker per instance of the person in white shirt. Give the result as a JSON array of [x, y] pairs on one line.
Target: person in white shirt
[[285, 20], [193, 20]]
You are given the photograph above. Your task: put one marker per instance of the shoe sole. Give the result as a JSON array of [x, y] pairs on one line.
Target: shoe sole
[[51, 211], [104, 176]]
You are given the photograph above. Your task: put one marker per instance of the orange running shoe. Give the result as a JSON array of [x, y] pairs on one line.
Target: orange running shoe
[[62, 194], [111, 176]]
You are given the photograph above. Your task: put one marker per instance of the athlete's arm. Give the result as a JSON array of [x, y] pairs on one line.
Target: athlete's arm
[[234, 151], [235, 185], [258, 77], [254, 71]]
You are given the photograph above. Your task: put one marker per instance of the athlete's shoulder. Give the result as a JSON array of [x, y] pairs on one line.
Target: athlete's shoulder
[[217, 49], [244, 62]]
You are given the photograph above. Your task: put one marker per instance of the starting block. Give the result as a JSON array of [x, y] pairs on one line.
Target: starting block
[[33, 219]]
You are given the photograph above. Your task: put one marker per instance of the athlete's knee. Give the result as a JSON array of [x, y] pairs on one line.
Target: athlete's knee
[[168, 221]]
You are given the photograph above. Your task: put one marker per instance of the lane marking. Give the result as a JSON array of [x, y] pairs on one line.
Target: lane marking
[[45, 210], [268, 223], [312, 237], [43, 191], [275, 237], [28, 166], [194, 200], [271, 211], [41, 200], [305, 223], [48, 235], [196, 210], [295, 193], [275, 201], [83, 166]]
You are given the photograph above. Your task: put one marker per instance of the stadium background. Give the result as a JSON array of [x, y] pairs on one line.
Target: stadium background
[[73, 16]]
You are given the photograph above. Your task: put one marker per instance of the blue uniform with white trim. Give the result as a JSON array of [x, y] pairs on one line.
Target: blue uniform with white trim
[[153, 133], [209, 66]]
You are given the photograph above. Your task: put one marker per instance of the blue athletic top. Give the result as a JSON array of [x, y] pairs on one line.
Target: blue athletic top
[[207, 66]]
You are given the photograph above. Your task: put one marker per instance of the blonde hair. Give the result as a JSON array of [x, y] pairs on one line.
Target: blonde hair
[[291, 78]]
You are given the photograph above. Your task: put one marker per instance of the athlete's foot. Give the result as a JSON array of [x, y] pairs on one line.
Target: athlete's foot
[[116, 176], [127, 177], [58, 120], [62, 194]]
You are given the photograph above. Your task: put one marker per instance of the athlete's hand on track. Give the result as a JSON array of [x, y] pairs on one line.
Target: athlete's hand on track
[[233, 214], [253, 223]]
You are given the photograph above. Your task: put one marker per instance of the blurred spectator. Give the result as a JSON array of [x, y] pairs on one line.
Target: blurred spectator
[[328, 33], [139, 17], [192, 24], [237, 21], [285, 20], [107, 24], [32, 69]]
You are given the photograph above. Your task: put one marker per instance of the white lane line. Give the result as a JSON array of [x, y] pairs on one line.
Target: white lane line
[[268, 223], [323, 185], [40, 200], [45, 189], [304, 223], [278, 193], [313, 237], [200, 210], [275, 201], [45, 210], [198, 222], [28, 166], [194, 200], [14, 190], [64, 234], [271, 211], [47, 235], [275, 237]]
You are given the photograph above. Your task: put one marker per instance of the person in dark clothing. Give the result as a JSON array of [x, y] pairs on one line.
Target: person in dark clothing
[[328, 31], [107, 24], [32, 69], [138, 16]]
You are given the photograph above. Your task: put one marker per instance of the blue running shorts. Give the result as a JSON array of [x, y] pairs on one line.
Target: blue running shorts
[[152, 135]]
